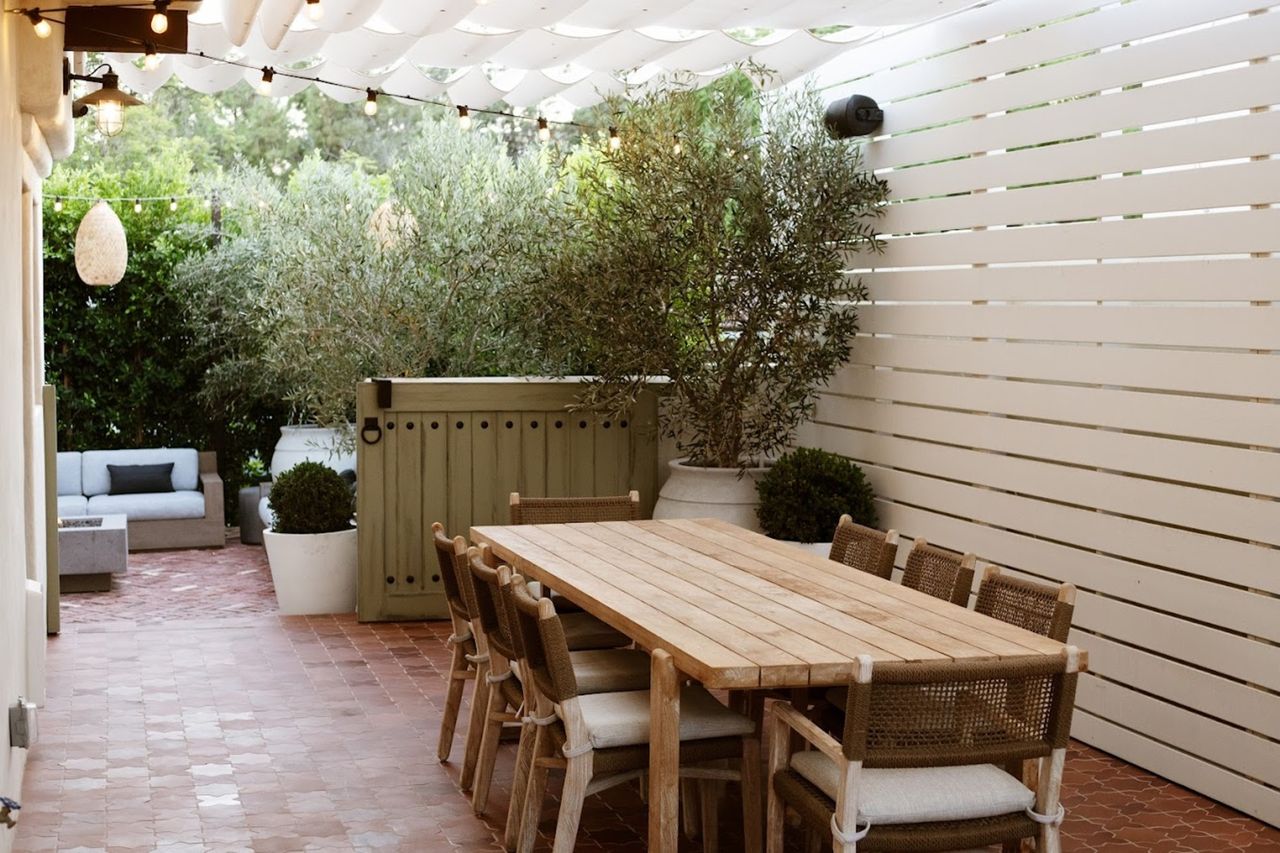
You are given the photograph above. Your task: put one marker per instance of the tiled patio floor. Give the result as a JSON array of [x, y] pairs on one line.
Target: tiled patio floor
[[184, 715]]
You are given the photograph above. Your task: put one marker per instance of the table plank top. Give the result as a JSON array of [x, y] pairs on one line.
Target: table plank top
[[739, 610]]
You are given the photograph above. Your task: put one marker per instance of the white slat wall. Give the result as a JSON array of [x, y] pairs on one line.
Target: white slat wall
[[1070, 362]]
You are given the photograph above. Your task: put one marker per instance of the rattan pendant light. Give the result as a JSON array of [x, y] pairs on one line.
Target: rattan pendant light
[[102, 250]]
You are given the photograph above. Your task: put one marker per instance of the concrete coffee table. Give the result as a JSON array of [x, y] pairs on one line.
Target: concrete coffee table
[[90, 550]]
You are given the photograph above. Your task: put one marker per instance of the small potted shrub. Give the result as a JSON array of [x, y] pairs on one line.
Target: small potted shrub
[[312, 545], [804, 493]]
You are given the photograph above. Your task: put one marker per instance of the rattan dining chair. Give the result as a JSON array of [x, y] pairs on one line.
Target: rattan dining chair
[[505, 698], [864, 548], [919, 766], [570, 510], [602, 739], [1040, 608], [938, 572]]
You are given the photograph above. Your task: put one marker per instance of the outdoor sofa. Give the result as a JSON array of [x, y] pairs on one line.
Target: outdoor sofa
[[188, 515]]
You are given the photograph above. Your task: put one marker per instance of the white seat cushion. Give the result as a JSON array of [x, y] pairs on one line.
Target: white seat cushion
[[72, 505], [69, 473], [603, 670], [96, 479], [922, 794], [159, 506], [622, 719]]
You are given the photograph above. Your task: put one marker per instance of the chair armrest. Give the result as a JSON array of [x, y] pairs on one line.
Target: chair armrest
[[211, 485], [786, 715]]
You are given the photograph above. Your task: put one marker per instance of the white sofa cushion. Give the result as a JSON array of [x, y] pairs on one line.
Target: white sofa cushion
[[622, 719], [150, 507], [72, 505], [69, 473], [96, 479], [922, 794]]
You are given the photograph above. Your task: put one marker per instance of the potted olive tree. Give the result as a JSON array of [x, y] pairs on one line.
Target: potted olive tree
[[311, 547], [804, 493], [710, 243]]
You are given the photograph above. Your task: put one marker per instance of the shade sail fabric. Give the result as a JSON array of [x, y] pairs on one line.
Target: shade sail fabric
[[476, 53]]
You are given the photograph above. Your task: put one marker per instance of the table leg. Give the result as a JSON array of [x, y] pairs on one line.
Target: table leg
[[664, 754]]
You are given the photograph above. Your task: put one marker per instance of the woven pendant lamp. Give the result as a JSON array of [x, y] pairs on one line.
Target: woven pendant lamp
[[102, 251]]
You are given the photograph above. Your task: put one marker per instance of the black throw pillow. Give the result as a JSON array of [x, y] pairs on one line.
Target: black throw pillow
[[140, 479]]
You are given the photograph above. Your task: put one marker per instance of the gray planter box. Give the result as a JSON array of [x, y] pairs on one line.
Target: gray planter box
[[250, 521]]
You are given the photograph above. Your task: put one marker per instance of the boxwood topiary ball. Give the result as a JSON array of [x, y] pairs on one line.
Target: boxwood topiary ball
[[311, 498], [805, 492]]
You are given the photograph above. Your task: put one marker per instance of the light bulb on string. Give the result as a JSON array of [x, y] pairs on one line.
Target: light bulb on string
[[615, 141], [41, 24], [544, 132], [137, 205], [264, 85], [464, 117], [371, 103], [57, 205], [314, 10], [150, 59], [173, 205], [677, 147], [160, 20]]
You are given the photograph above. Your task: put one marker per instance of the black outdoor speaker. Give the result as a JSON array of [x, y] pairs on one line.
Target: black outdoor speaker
[[856, 115]]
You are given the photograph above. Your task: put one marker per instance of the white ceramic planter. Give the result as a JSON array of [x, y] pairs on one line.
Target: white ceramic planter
[[318, 444], [313, 573], [822, 549], [692, 492]]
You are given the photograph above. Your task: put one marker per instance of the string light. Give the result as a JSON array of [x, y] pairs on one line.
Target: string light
[[314, 10], [371, 103], [677, 147], [151, 60], [42, 27], [264, 85], [160, 20], [464, 117], [173, 205], [137, 205], [544, 132], [57, 205], [615, 141]]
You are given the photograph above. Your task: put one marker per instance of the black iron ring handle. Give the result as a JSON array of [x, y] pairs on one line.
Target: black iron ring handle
[[371, 426]]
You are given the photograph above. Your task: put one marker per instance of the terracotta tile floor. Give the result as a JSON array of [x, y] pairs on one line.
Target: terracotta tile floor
[[183, 715]]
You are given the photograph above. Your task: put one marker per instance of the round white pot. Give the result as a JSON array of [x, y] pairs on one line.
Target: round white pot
[[822, 549], [692, 492], [317, 444], [313, 573]]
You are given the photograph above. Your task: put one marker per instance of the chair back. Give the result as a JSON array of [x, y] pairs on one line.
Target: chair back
[[938, 572], [452, 556], [864, 548], [1039, 608], [937, 714], [546, 652], [489, 609], [569, 510]]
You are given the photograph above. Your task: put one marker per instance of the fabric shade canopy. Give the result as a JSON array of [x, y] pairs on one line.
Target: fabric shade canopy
[[517, 51]]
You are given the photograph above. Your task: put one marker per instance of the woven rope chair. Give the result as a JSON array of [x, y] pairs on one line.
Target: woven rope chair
[[574, 510], [1038, 607], [938, 572], [864, 548], [601, 740], [467, 659], [505, 697], [919, 766]]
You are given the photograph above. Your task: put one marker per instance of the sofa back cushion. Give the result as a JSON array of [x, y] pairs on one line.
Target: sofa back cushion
[[97, 479], [69, 473]]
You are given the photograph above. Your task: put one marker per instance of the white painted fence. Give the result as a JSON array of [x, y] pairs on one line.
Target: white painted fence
[[1079, 380]]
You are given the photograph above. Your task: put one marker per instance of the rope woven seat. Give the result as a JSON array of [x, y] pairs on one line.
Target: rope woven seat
[[864, 548], [909, 775], [938, 572], [1037, 607]]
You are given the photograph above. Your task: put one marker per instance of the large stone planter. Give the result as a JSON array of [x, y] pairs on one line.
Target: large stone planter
[[313, 573], [317, 444], [822, 549], [724, 493]]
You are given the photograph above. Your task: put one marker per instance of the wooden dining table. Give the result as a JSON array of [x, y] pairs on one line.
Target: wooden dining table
[[741, 612]]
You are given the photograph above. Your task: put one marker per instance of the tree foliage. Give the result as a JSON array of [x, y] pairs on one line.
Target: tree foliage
[[710, 249]]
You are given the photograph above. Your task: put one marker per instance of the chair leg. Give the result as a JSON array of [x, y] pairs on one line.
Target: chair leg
[[459, 674], [519, 784], [709, 803], [475, 728], [577, 775], [488, 750], [531, 808], [690, 802]]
